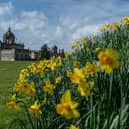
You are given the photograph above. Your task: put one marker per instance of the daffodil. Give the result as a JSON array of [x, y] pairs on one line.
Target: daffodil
[[18, 87], [23, 74], [13, 104], [48, 87], [28, 88], [97, 49], [85, 88], [125, 21], [68, 54], [46, 101], [76, 64], [35, 108], [109, 26], [69, 73], [94, 36], [58, 80], [73, 127], [102, 28], [109, 60], [77, 76], [72, 46], [115, 25], [67, 107], [91, 69], [84, 40]]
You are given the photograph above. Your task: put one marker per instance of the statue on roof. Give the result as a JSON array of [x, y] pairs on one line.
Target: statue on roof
[[9, 37]]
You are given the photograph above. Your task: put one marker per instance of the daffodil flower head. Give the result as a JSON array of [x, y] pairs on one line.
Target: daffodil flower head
[[67, 107], [58, 80], [35, 108], [73, 127], [109, 60]]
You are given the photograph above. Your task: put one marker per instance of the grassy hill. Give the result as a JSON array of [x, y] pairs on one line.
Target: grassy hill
[[8, 75]]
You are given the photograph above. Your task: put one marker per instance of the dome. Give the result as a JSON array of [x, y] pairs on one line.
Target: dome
[[9, 37]]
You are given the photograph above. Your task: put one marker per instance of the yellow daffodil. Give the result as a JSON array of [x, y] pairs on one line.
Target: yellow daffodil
[[23, 74], [94, 36], [67, 107], [28, 88], [46, 101], [68, 54], [98, 49], [13, 103], [39, 69], [109, 60], [102, 29], [76, 64], [109, 26], [17, 87], [125, 21], [58, 80], [53, 66], [84, 88], [91, 69], [72, 46], [48, 87], [77, 76], [53, 63], [13, 97], [115, 25], [69, 73], [73, 127], [59, 61], [84, 40], [35, 108]]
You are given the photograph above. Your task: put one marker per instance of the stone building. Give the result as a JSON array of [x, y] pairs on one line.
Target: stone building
[[11, 51]]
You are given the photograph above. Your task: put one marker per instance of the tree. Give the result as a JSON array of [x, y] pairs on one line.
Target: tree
[[54, 50], [44, 52]]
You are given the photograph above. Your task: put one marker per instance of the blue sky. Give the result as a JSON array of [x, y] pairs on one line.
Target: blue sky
[[35, 22]]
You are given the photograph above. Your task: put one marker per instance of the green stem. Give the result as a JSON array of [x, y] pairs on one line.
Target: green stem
[[110, 90], [28, 114]]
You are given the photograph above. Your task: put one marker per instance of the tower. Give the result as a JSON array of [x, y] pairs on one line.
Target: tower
[[9, 37]]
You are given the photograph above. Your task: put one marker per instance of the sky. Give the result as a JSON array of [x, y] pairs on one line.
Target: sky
[[57, 22]]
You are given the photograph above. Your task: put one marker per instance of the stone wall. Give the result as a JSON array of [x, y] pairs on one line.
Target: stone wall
[[17, 54], [7, 54]]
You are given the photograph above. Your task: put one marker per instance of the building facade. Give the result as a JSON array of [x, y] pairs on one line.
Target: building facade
[[11, 51]]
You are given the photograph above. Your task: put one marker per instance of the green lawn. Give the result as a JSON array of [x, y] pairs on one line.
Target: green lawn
[[8, 75]]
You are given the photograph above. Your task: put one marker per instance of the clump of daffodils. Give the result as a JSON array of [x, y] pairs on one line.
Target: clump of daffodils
[[56, 88]]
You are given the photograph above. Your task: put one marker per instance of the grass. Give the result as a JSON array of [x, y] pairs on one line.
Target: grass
[[8, 75]]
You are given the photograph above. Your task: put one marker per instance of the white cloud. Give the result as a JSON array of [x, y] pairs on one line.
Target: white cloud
[[74, 18], [6, 8], [71, 28], [33, 14], [86, 30]]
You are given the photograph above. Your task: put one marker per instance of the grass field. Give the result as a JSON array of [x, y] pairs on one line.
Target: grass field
[[8, 75]]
